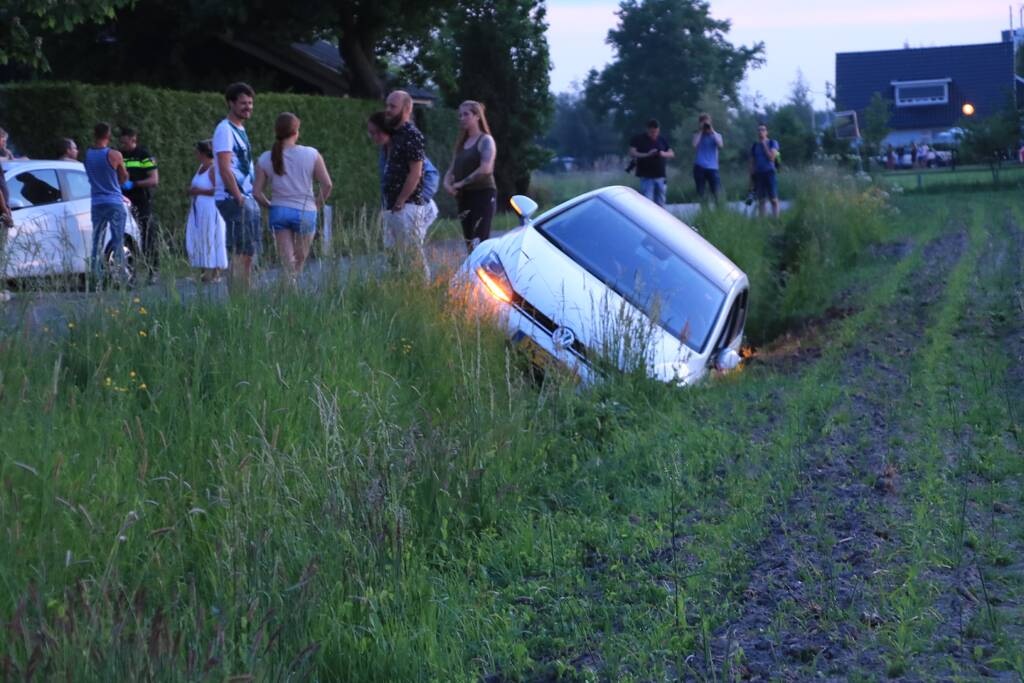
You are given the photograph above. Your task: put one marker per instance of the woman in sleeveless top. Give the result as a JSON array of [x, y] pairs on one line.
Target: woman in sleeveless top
[[291, 169], [205, 239], [471, 174]]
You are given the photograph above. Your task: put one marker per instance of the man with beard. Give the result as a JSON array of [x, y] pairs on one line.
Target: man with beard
[[407, 213], [233, 178]]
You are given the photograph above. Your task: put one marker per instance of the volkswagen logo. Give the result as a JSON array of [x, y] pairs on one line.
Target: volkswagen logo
[[563, 338]]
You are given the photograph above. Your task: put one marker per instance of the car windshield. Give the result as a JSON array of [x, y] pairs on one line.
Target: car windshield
[[639, 268]]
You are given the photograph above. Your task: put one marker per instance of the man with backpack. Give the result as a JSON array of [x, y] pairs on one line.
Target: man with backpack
[[763, 155]]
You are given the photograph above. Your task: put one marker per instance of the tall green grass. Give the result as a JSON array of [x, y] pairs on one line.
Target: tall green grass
[[356, 481]]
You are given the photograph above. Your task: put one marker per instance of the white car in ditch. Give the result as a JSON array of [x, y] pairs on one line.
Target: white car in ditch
[[52, 232], [610, 279]]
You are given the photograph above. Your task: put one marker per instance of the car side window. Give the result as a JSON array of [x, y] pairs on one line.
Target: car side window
[[76, 185], [34, 188]]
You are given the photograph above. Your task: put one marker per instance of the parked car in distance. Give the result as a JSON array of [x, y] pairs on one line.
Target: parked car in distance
[[52, 232], [610, 279]]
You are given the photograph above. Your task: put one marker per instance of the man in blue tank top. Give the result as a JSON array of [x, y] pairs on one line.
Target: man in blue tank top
[[107, 173]]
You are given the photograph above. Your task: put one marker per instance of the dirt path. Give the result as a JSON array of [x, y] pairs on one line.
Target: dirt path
[[807, 602]]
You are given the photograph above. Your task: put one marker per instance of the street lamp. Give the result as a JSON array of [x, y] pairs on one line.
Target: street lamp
[[967, 109]]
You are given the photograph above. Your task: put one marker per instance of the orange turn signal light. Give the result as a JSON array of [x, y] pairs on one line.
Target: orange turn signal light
[[493, 287]]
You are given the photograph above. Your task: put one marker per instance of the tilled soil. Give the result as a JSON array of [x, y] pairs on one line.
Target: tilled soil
[[827, 547]]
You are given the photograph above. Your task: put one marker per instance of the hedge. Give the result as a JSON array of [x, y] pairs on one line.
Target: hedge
[[169, 122]]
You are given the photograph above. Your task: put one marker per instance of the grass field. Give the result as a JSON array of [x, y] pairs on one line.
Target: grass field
[[963, 178], [360, 483]]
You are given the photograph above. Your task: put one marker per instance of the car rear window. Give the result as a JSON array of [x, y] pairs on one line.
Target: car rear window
[[639, 268]]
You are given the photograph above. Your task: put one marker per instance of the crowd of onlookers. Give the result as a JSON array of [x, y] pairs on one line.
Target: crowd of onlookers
[[232, 187], [649, 151]]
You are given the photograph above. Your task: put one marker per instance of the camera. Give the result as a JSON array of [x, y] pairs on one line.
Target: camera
[[707, 127]]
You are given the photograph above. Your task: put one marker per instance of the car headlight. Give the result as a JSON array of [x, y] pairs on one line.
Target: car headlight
[[495, 280]]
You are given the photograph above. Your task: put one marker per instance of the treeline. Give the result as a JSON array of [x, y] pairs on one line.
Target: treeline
[[493, 51]]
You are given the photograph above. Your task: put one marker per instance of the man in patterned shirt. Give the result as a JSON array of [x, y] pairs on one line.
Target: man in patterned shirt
[[407, 213]]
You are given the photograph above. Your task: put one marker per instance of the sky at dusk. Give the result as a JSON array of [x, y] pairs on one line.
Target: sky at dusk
[[798, 34]]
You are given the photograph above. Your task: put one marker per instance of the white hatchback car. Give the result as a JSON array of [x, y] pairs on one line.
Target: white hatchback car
[[611, 279], [52, 233]]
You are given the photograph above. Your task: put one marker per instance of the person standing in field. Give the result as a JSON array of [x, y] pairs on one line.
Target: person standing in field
[[706, 141], [106, 172], [407, 215], [650, 150], [233, 177], [143, 176], [380, 134], [291, 169], [470, 177], [762, 168], [204, 233]]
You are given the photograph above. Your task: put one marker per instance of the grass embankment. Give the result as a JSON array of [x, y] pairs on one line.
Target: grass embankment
[[359, 483]]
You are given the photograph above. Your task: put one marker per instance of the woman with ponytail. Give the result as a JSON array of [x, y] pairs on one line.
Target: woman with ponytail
[[291, 169]]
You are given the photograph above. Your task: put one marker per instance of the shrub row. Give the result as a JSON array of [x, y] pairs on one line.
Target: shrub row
[[170, 122]]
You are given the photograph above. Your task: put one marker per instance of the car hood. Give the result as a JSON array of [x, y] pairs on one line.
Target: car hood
[[607, 325]]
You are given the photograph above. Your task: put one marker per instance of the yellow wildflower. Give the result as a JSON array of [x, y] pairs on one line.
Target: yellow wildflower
[[142, 333]]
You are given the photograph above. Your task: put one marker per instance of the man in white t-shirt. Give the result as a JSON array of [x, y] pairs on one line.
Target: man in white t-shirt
[[233, 178]]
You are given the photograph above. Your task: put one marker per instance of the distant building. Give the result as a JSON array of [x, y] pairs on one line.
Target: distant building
[[929, 86]]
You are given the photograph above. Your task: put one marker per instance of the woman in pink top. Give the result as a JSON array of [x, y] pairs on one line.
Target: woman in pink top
[[291, 169]]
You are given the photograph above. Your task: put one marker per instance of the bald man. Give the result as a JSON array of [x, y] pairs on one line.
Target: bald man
[[407, 212]]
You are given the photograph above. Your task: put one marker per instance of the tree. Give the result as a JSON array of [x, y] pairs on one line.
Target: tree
[[876, 122], [576, 132], [496, 52], [989, 139], [667, 52], [26, 23]]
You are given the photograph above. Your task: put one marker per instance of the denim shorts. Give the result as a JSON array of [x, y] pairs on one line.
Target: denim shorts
[[242, 225], [287, 218]]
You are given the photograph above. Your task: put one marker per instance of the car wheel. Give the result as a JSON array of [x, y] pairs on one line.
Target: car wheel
[[124, 274]]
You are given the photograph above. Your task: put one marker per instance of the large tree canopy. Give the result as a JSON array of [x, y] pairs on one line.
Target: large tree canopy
[[496, 52], [25, 23], [667, 52]]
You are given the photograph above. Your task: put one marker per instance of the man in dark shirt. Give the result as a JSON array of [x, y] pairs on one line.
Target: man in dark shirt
[[651, 150], [143, 176], [407, 214]]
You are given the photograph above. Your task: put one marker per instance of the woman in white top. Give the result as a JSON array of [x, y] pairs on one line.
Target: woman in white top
[[291, 169], [205, 240]]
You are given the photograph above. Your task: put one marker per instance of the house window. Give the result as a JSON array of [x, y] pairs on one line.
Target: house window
[[921, 93]]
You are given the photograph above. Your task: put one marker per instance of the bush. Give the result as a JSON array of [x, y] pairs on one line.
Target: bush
[[170, 122]]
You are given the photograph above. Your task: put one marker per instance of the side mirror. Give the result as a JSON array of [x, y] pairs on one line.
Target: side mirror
[[524, 206]]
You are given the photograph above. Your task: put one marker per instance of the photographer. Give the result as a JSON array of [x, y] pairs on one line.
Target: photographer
[[706, 141], [650, 150]]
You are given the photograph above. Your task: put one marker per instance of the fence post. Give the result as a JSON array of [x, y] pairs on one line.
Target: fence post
[[920, 184]]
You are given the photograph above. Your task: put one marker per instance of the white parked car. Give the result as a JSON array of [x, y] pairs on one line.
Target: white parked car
[[52, 233], [611, 279]]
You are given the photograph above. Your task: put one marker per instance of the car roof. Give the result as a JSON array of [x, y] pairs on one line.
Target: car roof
[[661, 224], [22, 165]]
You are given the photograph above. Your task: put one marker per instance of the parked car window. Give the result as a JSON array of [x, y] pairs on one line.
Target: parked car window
[[34, 188], [77, 185], [639, 268]]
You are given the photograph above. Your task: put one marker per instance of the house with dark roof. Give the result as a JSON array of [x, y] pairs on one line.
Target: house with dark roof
[[928, 87]]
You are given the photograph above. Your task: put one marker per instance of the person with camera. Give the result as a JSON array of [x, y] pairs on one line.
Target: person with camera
[[706, 141], [650, 150]]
